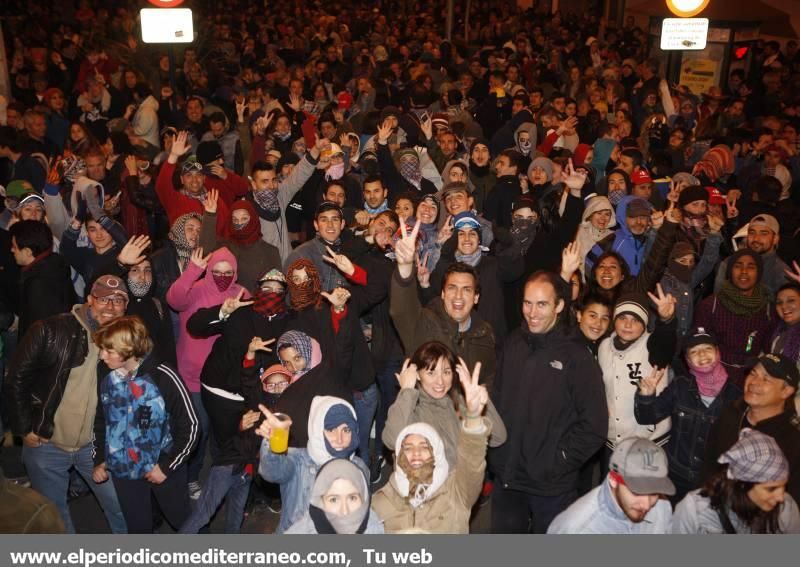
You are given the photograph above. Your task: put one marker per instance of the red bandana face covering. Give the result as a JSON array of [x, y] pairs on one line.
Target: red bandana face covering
[[223, 282], [269, 303]]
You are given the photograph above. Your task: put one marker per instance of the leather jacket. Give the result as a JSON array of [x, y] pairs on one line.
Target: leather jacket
[[39, 371]]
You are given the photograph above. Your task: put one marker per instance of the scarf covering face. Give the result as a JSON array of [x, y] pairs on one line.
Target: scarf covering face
[[306, 294], [709, 382], [417, 486], [743, 305], [267, 199], [139, 289], [717, 163], [325, 523], [177, 235], [409, 168], [305, 346], [523, 231], [335, 171], [222, 282], [268, 304], [326, 413], [470, 259], [250, 232]]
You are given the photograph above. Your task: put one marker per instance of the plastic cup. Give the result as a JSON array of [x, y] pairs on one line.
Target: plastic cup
[[279, 437]]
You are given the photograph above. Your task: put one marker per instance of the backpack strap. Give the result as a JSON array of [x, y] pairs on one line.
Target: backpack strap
[[727, 525]]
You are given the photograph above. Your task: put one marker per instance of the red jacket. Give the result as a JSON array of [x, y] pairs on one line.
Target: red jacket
[[177, 204]]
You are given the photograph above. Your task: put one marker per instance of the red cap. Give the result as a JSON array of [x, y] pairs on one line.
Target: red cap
[[715, 197], [344, 100], [640, 176]]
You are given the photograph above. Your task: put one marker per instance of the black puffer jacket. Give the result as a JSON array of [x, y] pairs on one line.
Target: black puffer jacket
[[39, 371], [549, 391]]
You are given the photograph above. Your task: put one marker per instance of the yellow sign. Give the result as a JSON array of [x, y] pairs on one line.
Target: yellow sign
[[699, 74], [686, 8]]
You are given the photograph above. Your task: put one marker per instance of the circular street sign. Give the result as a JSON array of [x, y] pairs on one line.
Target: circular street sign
[[686, 8]]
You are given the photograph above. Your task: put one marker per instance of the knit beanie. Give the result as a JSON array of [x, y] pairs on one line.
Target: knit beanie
[[634, 304], [545, 164], [692, 194]]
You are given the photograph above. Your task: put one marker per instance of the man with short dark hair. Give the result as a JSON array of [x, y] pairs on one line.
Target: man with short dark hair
[[51, 395], [450, 318], [549, 390], [768, 406], [228, 140], [45, 284]]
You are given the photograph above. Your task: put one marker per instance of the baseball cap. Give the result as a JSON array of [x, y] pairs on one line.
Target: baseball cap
[[643, 466], [641, 175], [466, 219], [715, 197], [700, 336], [18, 189], [109, 285], [333, 150], [782, 367], [766, 220], [191, 165]]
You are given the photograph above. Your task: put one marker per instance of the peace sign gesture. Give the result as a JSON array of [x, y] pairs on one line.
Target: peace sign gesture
[[475, 395], [258, 344], [423, 273], [231, 304], [270, 422], [673, 213], [342, 262], [794, 275], [426, 126], [665, 303], [337, 298], [405, 249], [198, 259], [649, 384]]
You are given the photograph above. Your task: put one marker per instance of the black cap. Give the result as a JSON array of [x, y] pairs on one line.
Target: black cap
[[700, 336], [779, 366], [208, 151]]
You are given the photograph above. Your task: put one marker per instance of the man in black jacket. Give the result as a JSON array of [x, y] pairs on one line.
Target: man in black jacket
[[51, 395], [768, 406], [549, 391]]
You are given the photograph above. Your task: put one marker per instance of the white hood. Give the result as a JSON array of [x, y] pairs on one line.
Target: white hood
[[316, 426], [440, 468]]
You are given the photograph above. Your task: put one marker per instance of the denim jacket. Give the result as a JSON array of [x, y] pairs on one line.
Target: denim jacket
[[597, 512], [295, 472], [691, 422]]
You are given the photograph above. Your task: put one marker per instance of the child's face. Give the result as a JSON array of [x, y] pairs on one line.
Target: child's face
[[276, 384]]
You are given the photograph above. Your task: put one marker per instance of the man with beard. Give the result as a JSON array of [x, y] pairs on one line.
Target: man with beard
[[763, 236], [629, 501]]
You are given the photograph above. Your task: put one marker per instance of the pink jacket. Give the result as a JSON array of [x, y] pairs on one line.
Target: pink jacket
[[188, 294]]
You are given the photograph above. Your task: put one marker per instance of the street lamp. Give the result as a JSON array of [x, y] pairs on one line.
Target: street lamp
[[686, 8]]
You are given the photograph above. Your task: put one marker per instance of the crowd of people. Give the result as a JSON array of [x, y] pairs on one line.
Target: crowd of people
[[384, 280]]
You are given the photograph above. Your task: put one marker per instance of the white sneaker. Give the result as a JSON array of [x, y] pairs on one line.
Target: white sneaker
[[195, 489]]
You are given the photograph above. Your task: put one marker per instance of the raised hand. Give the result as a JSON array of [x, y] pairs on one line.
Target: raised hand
[[571, 260], [673, 213], [133, 251], [475, 395], [258, 344], [649, 384], [715, 223], [337, 298], [344, 140], [427, 127], [423, 273], [198, 259], [231, 304], [295, 102], [665, 303], [384, 131], [733, 212], [362, 218], [407, 377], [574, 179], [210, 201], [240, 107], [794, 274], [446, 231], [405, 249], [270, 422], [130, 165], [219, 171], [342, 262], [180, 146], [675, 189]]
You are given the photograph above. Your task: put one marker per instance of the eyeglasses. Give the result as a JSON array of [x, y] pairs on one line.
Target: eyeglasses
[[115, 300], [225, 274], [273, 387]]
